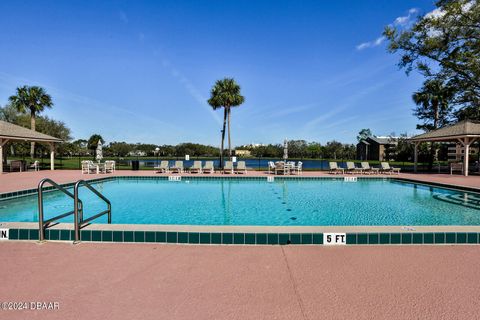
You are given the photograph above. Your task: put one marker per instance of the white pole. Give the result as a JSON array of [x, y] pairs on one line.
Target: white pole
[[465, 158], [52, 156]]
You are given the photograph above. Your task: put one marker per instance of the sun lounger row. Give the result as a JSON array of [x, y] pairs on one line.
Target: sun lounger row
[[364, 168], [198, 168]]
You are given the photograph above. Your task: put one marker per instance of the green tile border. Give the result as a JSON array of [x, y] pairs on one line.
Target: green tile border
[[396, 238]]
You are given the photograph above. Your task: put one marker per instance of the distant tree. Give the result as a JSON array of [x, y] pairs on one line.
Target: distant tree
[[9, 114], [333, 150], [120, 149], [93, 143], [33, 100], [364, 134], [225, 93], [314, 150], [445, 44]]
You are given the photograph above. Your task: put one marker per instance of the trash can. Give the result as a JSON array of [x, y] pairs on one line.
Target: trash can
[[135, 165]]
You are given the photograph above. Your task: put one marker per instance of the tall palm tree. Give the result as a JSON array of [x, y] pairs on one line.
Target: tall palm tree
[[225, 93], [34, 100], [433, 101], [433, 107]]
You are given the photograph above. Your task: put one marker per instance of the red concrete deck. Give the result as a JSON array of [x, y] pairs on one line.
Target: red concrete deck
[[28, 180], [143, 281]]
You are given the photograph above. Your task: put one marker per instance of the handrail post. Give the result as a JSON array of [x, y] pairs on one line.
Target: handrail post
[[75, 213], [41, 231]]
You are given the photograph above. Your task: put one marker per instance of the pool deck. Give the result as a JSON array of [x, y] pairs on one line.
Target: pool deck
[[27, 180], [164, 281], [151, 281]]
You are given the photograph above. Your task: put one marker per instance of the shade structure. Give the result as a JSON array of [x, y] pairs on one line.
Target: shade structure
[[12, 132], [285, 149], [465, 132]]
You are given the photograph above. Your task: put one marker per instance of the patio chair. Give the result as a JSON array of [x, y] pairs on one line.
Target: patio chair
[[208, 167], [178, 167], [271, 167], [35, 165], [88, 167], [109, 166], [228, 168], [456, 166], [197, 167], [282, 167], [385, 168], [351, 168], [334, 168], [163, 167], [241, 167], [297, 169]]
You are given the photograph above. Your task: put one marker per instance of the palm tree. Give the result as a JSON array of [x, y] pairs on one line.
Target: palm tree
[[225, 93], [433, 101], [34, 100], [433, 107]]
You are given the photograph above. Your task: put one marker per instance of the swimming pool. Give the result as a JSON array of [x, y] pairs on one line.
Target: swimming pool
[[256, 202]]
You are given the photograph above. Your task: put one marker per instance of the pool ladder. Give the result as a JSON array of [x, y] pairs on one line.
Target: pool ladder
[[77, 211]]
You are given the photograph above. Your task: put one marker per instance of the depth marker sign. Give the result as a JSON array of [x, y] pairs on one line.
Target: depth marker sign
[[334, 239], [3, 234]]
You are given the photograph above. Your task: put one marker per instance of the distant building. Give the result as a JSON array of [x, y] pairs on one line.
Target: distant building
[[137, 153], [242, 153], [376, 148], [456, 152]]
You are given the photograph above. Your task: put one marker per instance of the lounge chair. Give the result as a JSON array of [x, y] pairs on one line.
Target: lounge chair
[[369, 170], [352, 169], [334, 168], [228, 168], [163, 167], [197, 167], [208, 168], [178, 167], [387, 169], [109, 166], [241, 167]]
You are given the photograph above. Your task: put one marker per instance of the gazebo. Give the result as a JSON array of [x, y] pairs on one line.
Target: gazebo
[[466, 132], [12, 132]]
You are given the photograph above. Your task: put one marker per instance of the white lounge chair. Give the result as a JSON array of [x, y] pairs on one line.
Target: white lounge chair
[[241, 167], [178, 167], [351, 168], [163, 167], [208, 167], [197, 167], [334, 168], [228, 168], [387, 169]]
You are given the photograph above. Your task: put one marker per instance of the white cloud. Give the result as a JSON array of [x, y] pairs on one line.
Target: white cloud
[[371, 44], [401, 21]]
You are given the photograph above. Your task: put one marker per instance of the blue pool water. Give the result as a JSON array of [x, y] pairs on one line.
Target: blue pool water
[[320, 202]]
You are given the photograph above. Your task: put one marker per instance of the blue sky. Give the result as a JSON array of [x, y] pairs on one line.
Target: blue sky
[[141, 71]]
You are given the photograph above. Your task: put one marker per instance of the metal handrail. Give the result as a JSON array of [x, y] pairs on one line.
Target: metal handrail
[[78, 214], [44, 224]]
